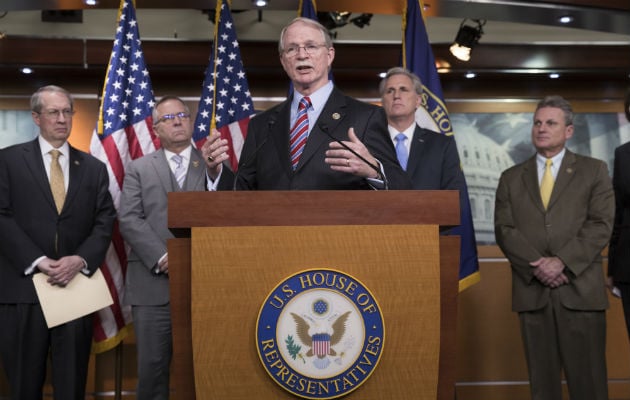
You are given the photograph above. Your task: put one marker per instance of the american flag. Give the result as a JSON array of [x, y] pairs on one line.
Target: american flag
[[123, 133], [225, 102]]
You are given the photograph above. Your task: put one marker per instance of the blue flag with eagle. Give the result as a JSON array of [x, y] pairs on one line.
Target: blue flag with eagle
[[418, 58], [226, 103]]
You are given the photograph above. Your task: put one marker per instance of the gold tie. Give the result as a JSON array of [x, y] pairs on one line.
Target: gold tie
[[56, 180], [546, 185]]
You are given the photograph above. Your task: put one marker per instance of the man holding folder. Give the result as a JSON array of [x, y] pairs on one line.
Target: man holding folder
[[56, 218]]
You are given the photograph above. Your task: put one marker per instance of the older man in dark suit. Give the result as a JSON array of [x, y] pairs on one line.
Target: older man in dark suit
[[56, 218], [553, 217], [289, 146]]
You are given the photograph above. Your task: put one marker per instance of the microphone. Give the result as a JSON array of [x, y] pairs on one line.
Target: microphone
[[250, 158], [324, 128]]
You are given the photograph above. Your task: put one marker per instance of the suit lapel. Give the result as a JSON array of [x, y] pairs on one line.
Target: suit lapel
[[35, 165], [565, 175], [196, 175], [163, 171], [279, 134], [76, 173], [530, 181], [416, 151]]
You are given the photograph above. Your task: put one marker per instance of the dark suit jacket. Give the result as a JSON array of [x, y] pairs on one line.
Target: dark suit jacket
[[434, 162], [575, 228], [264, 162], [619, 248], [434, 165], [29, 219]]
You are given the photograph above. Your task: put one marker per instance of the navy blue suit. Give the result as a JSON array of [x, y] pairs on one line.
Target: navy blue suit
[[434, 162]]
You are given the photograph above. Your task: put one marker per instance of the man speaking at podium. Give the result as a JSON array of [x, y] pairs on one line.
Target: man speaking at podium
[[318, 138]]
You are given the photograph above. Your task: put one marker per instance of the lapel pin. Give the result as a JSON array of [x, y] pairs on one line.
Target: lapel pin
[[76, 162], [569, 170], [195, 163], [336, 116]]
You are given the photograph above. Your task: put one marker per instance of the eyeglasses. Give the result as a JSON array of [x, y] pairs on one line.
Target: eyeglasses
[[54, 114], [171, 117], [310, 49]]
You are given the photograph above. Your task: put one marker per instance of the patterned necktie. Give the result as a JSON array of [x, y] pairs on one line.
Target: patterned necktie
[[546, 185], [57, 185], [299, 132], [401, 150], [179, 169]]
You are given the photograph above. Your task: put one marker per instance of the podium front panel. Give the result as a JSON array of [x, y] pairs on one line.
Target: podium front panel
[[235, 268]]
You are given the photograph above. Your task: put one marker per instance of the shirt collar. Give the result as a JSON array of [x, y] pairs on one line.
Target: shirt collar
[[555, 160], [318, 97], [46, 147], [407, 132], [184, 153]]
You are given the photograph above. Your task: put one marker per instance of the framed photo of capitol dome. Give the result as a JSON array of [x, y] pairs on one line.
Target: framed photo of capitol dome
[[492, 140]]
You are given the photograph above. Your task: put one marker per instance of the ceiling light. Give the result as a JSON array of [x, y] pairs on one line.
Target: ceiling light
[[26, 70], [554, 75], [470, 75], [90, 2], [467, 37], [334, 19], [565, 19], [261, 3]]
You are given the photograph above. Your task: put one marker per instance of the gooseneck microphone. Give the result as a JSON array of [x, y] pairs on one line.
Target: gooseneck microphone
[[250, 158], [381, 175]]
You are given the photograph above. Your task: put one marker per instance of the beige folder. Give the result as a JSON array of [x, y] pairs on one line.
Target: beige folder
[[80, 297]]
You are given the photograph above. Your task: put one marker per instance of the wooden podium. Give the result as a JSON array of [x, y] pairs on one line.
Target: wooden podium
[[232, 248]]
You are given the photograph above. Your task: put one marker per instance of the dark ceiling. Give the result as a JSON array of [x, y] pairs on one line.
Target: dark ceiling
[[503, 67]]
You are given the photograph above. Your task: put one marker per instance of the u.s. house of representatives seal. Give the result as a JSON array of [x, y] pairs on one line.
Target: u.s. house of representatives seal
[[320, 334]]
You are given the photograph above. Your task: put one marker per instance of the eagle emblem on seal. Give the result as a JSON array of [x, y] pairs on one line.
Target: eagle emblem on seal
[[321, 342]]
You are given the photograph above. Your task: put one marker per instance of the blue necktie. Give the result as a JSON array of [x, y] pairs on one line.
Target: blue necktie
[[401, 150]]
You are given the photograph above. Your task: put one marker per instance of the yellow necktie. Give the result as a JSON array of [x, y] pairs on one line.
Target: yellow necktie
[[56, 180], [546, 185]]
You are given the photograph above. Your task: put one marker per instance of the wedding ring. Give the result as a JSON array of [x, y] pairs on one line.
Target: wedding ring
[[210, 159], [348, 162]]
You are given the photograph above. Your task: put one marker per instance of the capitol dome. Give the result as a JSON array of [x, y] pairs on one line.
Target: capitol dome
[[483, 161]]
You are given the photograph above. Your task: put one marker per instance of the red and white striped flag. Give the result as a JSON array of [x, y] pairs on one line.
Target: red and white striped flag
[[123, 133]]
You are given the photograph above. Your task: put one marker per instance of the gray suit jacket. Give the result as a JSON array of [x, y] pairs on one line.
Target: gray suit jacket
[[143, 221], [575, 228]]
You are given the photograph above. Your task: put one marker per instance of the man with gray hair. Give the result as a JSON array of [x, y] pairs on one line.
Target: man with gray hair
[[56, 219], [429, 158], [318, 138]]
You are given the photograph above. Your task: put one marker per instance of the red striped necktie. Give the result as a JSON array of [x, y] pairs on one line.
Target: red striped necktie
[[299, 132]]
